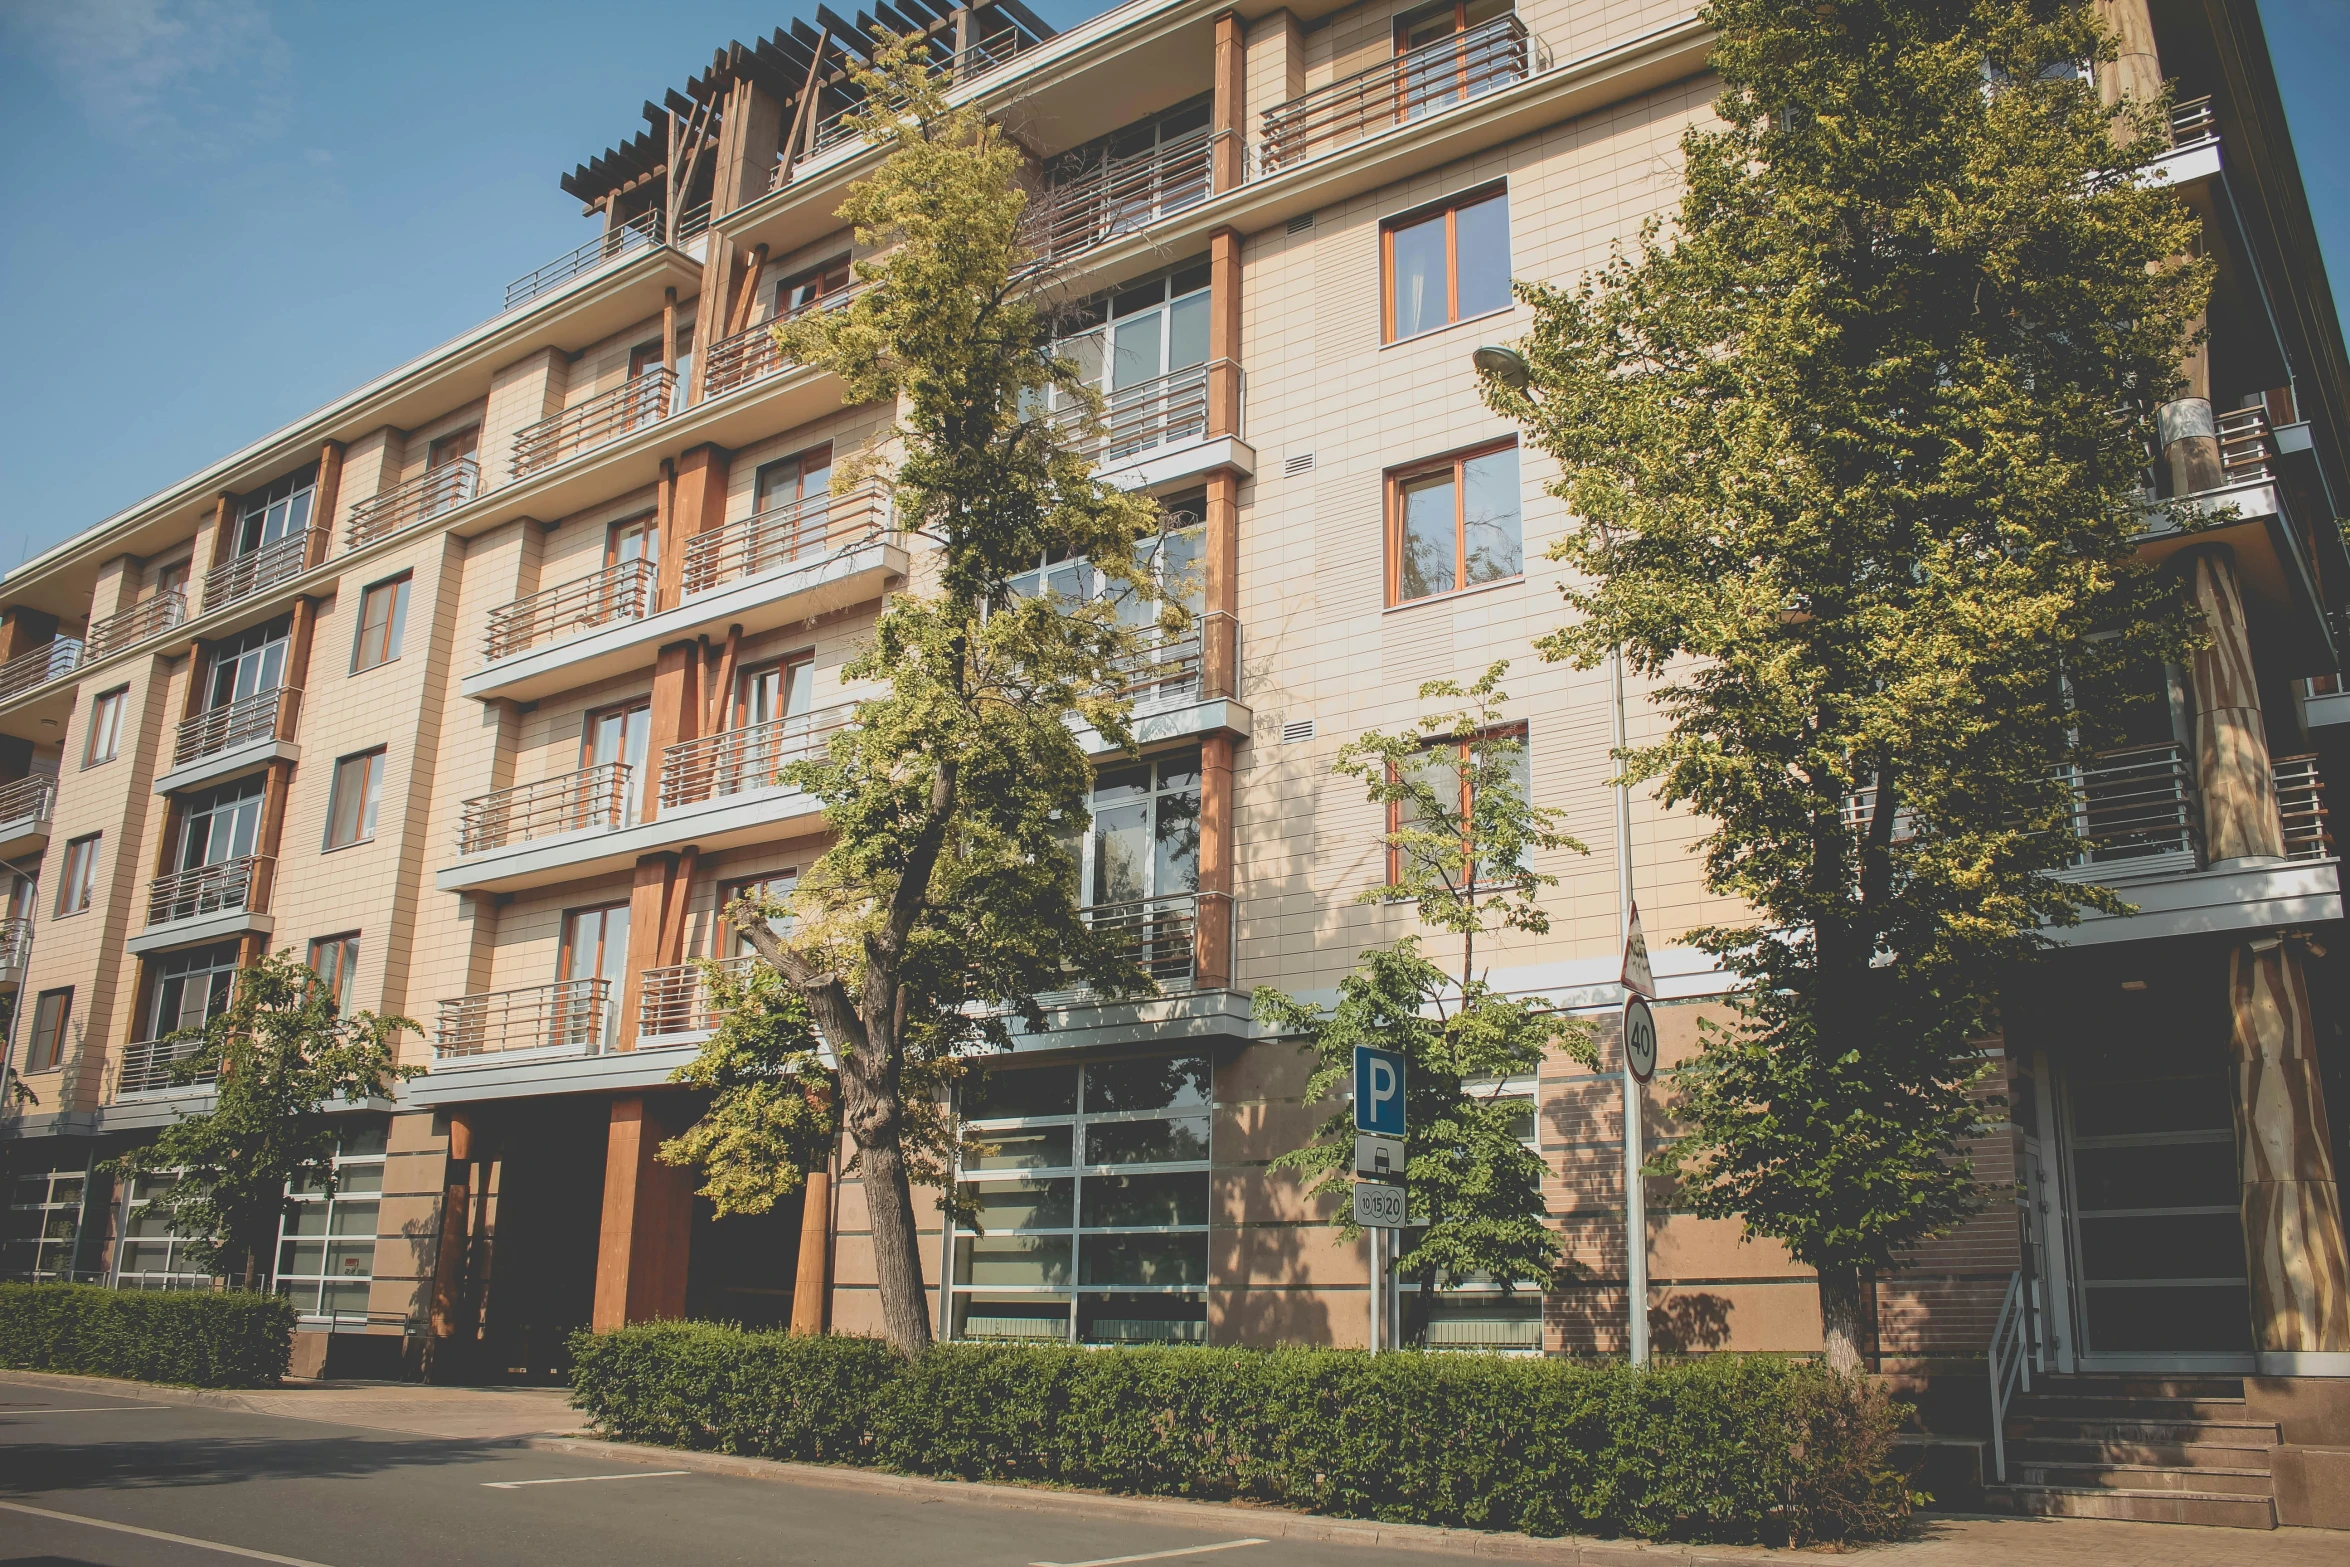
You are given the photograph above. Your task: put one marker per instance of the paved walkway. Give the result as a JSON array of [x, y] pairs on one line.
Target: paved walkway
[[541, 1418]]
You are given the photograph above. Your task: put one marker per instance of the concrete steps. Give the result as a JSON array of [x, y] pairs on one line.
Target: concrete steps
[[2144, 1449]]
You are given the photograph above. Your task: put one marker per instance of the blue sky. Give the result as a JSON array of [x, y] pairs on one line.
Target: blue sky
[[227, 212]]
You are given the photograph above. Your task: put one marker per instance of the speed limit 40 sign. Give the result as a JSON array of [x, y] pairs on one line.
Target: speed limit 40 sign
[[1639, 1039]]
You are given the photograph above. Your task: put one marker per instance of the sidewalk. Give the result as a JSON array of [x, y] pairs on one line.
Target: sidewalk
[[541, 1418]]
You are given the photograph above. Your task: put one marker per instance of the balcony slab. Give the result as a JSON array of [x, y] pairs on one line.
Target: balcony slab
[[2188, 165], [234, 762], [23, 837], [203, 928], [2278, 589], [2239, 897], [520, 1074], [1190, 460], [774, 598], [752, 816], [2332, 708], [1198, 1017], [1154, 725]]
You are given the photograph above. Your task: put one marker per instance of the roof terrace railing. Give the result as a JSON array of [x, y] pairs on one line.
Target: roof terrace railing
[[807, 529], [436, 490], [636, 233], [38, 667], [1490, 56], [1117, 196], [635, 403], [257, 571], [621, 591], [150, 617]]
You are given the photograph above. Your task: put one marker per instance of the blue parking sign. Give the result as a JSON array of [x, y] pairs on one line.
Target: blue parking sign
[[1378, 1091]]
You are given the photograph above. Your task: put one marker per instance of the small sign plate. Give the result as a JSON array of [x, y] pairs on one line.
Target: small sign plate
[[1639, 1039], [1378, 1091], [1637, 977], [1379, 1206], [1378, 1156]]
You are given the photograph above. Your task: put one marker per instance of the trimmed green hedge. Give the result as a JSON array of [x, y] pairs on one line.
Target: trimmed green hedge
[[1720, 1449], [196, 1339]]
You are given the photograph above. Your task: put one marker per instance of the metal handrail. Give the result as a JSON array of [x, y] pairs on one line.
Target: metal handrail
[[2133, 804], [219, 888], [38, 667], [570, 1014], [265, 715], [146, 1065], [806, 529], [2247, 446], [743, 357], [623, 591], [151, 616], [1451, 70], [30, 796], [2301, 809], [2010, 1363], [593, 797], [639, 401], [735, 761], [438, 489], [673, 1000], [642, 230], [1117, 196], [2193, 123], [16, 946], [257, 571], [1161, 934], [1162, 411]]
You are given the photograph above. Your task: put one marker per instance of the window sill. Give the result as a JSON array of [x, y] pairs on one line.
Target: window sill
[[372, 668], [355, 843], [1423, 336], [1457, 594]]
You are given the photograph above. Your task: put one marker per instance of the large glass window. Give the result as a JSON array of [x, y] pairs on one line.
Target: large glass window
[[187, 990], [151, 1257], [221, 824], [52, 1018], [41, 1231], [1447, 264], [1143, 348], [1454, 523], [1169, 669], [326, 1245], [1091, 1193], [280, 511], [106, 726], [619, 734], [247, 664], [595, 946]]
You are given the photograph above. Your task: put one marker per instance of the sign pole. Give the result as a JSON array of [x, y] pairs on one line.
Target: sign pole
[[1381, 1203], [1635, 1193]]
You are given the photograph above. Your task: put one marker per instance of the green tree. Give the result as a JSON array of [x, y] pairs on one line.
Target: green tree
[[277, 1056], [946, 903], [1855, 456], [1465, 827], [774, 1110]]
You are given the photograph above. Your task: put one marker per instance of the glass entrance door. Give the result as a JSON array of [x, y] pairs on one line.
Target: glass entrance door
[[595, 946]]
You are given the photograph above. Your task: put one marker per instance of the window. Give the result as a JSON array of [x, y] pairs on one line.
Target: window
[[1093, 1204], [1445, 769], [189, 989], [1446, 265], [1124, 181], [221, 824], [106, 726], [1145, 349], [51, 1013], [806, 290], [455, 447], [778, 886], [79, 882], [40, 1232], [248, 664], [595, 947], [1454, 524], [1453, 55], [150, 1256], [1172, 573], [335, 959], [350, 809], [639, 538], [326, 1244], [170, 577], [280, 511], [616, 735], [383, 615]]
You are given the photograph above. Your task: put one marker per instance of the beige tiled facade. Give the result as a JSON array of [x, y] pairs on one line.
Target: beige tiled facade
[[519, 1198]]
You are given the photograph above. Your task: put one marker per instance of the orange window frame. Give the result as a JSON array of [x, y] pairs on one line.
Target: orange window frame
[[1450, 206], [1397, 478], [1460, 749]]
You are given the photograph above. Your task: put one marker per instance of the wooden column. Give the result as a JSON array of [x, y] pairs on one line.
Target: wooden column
[[1224, 333], [25, 629], [721, 267], [2231, 740], [1212, 934], [811, 1286], [1220, 548], [323, 497], [301, 637], [224, 524], [451, 1318], [697, 504], [749, 139], [642, 1249], [676, 715], [2291, 1202], [1228, 120], [2137, 73]]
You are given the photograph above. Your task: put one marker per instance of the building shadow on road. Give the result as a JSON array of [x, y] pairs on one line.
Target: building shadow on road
[[35, 1467]]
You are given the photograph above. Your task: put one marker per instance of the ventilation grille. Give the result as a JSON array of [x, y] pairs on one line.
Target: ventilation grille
[[1297, 731], [1291, 467], [1300, 223]]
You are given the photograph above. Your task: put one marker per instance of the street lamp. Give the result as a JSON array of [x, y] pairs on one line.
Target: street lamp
[[1505, 365]]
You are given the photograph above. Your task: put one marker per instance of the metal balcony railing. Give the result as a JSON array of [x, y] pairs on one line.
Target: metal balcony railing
[[146, 1065], [833, 129], [673, 1000], [220, 888], [1165, 411], [16, 949], [751, 353], [2193, 123], [738, 760], [2301, 809], [27, 799], [807, 529], [570, 1014], [592, 798], [1166, 672], [2247, 446], [258, 571], [265, 715], [1114, 196], [642, 230], [618, 592], [37, 668], [639, 401], [1486, 58], [2137, 804], [1161, 934], [436, 490], [149, 617]]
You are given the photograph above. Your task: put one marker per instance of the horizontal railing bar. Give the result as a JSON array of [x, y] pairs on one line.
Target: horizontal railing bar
[[569, 802], [40, 666], [263, 715], [149, 617], [438, 489], [622, 591], [30, 795], [639, 401]]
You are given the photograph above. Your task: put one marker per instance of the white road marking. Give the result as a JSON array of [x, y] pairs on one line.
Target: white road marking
[[642, 1474], [1154, 1556], [86, 1409], [158, 1534]]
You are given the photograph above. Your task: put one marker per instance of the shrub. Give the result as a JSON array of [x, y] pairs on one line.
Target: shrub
[[233, 1339], [1720, 1449]]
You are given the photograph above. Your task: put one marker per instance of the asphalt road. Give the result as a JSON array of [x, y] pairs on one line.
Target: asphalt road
[[89, 1480]]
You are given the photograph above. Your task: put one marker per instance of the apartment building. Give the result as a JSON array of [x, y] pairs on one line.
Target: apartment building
[[472, 687]]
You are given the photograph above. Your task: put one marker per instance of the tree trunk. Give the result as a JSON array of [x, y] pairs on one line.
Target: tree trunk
[[1840, 1319], [1420, 1310], [889, 1203]]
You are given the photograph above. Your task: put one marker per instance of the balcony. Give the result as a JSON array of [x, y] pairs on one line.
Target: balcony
[[794, 533], [437, 490], [1433, 77], [637, 233], [594, 799], [634, 404], [16, 950], [751, 353], [1117, 196], [150, 617], [147, 1068], [207, 903], [257, 571], [2135, 811], [1157, 431], [673, 1001], [248, 733], [24, 815], [834, 129], [740, 761], [30, 671], [2301, 809], [619, 592], [569, 1017]]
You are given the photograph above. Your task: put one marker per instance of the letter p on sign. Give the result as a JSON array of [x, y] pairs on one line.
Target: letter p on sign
[[1378, 1091]]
